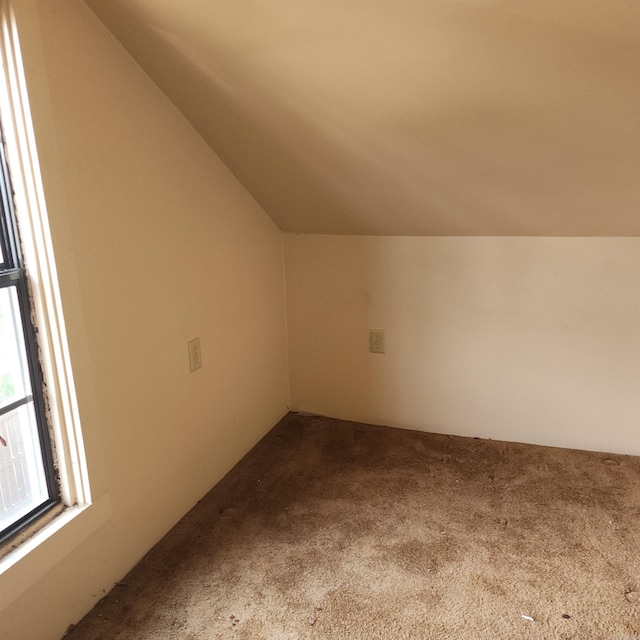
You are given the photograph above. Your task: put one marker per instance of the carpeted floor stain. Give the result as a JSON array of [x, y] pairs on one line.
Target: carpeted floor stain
[[332, 529]]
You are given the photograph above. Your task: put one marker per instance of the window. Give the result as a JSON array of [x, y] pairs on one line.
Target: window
[[46, 492], [28, 485]]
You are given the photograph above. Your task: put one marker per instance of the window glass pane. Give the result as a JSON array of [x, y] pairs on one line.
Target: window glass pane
[[22, 479], [14, 376]]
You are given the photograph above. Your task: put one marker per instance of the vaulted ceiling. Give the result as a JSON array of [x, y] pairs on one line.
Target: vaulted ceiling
[[422, 117]]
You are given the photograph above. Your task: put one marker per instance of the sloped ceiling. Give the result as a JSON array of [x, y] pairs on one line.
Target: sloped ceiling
[[424, 117]]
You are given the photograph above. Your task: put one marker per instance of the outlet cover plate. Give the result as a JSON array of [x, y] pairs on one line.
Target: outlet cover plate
[[376, 341], [195, 354]]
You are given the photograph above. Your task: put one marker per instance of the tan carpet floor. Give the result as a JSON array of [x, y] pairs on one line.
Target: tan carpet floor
[[331, 529]]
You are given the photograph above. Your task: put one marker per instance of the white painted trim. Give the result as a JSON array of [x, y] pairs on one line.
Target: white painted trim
[[39, 552], [31, 212], [32, 559]]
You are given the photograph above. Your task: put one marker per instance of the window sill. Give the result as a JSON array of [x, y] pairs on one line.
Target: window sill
[[37, 555]]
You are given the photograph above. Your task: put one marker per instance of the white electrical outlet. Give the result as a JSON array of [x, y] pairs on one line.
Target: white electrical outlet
[[376, 341], [195, 354]]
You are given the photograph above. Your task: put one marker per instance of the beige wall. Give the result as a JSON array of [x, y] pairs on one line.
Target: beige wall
[[524, 339], [156, 243], [483, 118], [534, 339]]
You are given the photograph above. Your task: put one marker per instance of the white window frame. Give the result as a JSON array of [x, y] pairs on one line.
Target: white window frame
[[29, 555]]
